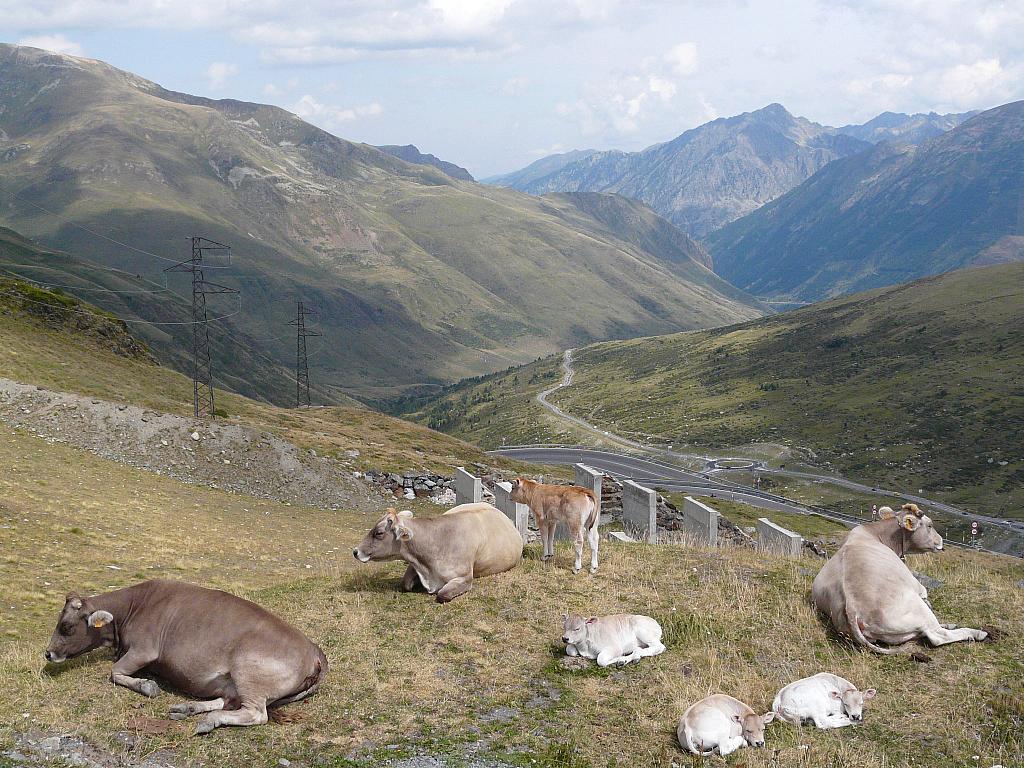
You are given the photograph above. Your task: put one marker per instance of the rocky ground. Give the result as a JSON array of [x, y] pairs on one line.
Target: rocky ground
[[218, 454]]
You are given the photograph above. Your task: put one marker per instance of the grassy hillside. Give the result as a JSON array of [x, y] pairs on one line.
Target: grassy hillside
[[482, 676], [478, 679], [916, 387], [418, 277], [887, 216], [77, 348]]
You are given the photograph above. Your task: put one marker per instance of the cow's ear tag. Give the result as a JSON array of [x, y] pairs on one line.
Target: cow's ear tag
[[100, 619], [908, 524]]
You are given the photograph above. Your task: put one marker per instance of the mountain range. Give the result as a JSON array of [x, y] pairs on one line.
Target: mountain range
[[893, 214], [724, 169], [411, 154], [418, 276], [904, 128]]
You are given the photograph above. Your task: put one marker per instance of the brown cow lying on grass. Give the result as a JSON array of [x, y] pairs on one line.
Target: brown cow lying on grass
[[871, 595], [553, 504], [204, 643], [445, 553]]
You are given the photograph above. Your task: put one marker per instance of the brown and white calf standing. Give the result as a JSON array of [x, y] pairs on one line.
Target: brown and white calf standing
[[554, 504], [234, 655]]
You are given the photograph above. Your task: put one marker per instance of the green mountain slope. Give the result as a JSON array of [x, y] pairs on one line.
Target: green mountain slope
[[887, 216], [238, 363], [915, 386], [418, 277]]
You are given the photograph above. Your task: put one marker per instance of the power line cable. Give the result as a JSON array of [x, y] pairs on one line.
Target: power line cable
[[44, 281], [122, 319], [97, 234]]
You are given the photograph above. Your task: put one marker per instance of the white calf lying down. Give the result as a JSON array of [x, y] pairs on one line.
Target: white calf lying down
[[617, 639], [723, 723], [829, 701]]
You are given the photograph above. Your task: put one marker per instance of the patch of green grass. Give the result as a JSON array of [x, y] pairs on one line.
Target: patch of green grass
[[746, 516]]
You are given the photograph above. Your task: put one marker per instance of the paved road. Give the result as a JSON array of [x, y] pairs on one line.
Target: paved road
[[654, 473], [1015, 526]]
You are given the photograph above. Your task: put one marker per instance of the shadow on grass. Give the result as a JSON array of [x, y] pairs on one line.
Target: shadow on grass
[[85, 660]]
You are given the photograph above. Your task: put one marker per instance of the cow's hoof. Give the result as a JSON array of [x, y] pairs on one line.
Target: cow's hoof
[[150, 689], [575, 569], [203, 727], [593, 571], [179, 712]]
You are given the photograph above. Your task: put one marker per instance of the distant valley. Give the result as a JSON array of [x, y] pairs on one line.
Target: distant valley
[[418, 277], [915, 386]]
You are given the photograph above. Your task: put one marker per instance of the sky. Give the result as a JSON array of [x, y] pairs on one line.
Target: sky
[[495, 84]]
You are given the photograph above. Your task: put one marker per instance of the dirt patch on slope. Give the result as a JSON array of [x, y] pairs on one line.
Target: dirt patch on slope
[[218, 454]]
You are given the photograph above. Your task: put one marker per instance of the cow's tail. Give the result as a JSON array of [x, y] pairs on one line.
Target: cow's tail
[[311, 684], [692, 747], [593, 518], [858, 634]]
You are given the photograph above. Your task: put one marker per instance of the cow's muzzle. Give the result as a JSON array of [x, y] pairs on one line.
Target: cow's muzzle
[[360, 556], [565, 639], [52, 657]]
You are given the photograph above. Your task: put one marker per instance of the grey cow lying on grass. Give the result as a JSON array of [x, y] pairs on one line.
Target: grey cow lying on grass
[[207, 644]]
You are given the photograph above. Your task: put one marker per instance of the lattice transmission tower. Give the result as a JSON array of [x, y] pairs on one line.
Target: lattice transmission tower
[[202, 369], [301, 359]]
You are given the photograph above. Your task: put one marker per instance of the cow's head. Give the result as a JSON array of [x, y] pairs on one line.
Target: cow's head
[[919, 532], [574, 628], [385, 539], [853, 701], [520, 490], [752, 726], [80, 629]]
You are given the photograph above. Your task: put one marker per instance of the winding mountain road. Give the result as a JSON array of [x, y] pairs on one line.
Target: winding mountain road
[[681, 479]]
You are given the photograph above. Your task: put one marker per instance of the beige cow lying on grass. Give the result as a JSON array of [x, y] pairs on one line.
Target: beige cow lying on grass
[[827, 700], [569, 504], [618, 639], [445, 553], [871, 595], [723, 723]]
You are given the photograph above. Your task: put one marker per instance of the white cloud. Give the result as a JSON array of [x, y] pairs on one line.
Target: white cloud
[[55, 43], [218, 74], [888, 83], [621, 103], [326, 115], [514, 86], [683, 59], [966, 84]]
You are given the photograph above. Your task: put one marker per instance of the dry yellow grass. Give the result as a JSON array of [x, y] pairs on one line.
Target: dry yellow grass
[[419, 676]]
